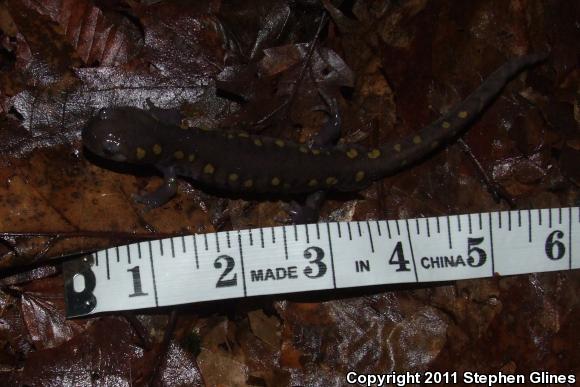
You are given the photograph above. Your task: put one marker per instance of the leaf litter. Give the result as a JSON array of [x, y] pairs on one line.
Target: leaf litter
[[393, 67]]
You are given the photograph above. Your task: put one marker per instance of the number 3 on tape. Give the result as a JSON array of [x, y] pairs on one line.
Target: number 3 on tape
[[322, 256]]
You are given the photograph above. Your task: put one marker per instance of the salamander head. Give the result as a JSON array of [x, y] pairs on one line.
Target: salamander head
[[123, 134]]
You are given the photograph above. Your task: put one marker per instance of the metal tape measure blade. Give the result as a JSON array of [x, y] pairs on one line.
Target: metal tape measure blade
[[321, 256]]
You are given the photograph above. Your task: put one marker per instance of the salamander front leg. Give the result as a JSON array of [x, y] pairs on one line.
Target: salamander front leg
[[162, 194], [170, 116]]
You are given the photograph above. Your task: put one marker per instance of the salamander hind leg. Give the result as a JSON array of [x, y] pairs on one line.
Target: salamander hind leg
[[326, 138], [309, 211], [329, 134]]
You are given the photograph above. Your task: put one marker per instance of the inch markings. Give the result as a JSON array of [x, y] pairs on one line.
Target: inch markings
[[321, 257]]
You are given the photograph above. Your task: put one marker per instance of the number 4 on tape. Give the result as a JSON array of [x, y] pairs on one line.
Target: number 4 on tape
[[322, 256]]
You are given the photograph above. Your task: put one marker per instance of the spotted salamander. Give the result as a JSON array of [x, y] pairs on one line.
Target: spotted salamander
[[239, 162]]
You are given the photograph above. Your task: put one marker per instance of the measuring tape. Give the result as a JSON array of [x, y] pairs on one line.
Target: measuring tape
[[322, 256]]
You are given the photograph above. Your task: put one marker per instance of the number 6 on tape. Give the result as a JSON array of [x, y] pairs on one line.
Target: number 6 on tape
[[322, 256]]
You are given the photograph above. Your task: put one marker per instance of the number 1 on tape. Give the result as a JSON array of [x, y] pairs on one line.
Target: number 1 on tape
[[321, 256]]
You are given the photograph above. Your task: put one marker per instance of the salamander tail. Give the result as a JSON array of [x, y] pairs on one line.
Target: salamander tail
[[393, 156]]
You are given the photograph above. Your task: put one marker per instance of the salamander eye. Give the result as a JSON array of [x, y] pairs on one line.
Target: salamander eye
[[111, 146], [104, 114]]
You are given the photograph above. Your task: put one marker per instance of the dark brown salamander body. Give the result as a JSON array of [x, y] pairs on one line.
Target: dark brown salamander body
[[239, 162]]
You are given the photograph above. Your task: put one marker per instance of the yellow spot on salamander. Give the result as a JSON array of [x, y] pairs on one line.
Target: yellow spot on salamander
[[178, 155], [312, 183], [233, 177], [243, 134], [209, 169], [434, 144], [280, 143], [373, 154], [275, 181], [230, 135], [191, 158], [315, 152], [462, 114], [140, 153], [351, 153], [258, 142], [397, 148], [157, 149], [331, 180], [248, 183], [359, 176], [303, 149], [445, 125], [417, 140]]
